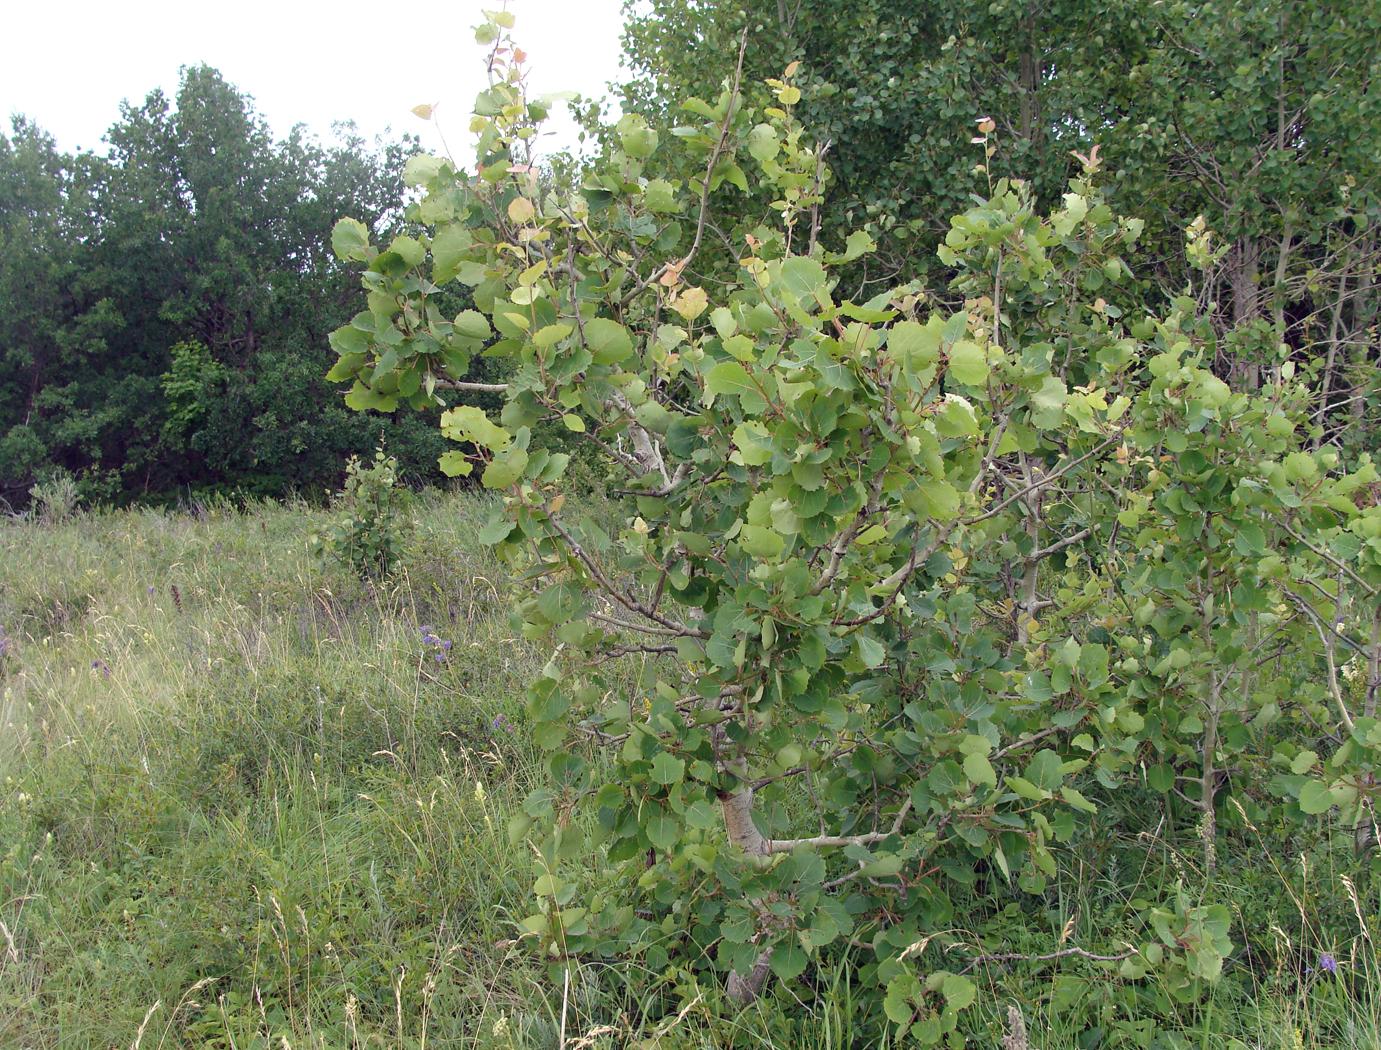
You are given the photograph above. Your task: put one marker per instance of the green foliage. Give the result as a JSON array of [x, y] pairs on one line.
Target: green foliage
[[1253, 117], [374, 522], [197, 230], [272, 787], [192, 387], [55, 498], [911, 590]]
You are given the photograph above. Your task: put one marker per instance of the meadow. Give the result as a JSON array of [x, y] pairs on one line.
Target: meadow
[[247, 800]]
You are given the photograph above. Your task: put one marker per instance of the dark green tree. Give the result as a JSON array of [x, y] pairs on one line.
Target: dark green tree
[[196, 230], [1256, 116]]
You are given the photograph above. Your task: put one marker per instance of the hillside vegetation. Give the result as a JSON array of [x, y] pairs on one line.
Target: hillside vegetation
[[917, 580], [244, 805]]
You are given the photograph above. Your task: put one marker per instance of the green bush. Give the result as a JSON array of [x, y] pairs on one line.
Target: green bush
[[900, 595], [55, 498], [374, 520]]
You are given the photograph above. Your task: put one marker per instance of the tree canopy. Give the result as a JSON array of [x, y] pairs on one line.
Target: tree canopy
[[166, 301], [1258, 116]]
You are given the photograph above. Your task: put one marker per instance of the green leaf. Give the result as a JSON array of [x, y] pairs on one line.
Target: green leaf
[[1045, 770], [608, 341], [468, 423], [455, 464], [1077, 800], [937, 499], [496, 530], [762, 143], [870, 650], [421, 168], [856, 245], [472, 325], [562, 603], [348, 339], [1160, 778], [803, 277], [362, 397], [788, 960], [1250, 539], [1026, 789], [667, 769], [350, 240], [660, 197], [723, 320], [959, 991], [978, 769], [409, 249], [899, 1004], [505, 469], [1049, 400], [956, 419], [636, 137], [761, 542], [753, 442], [967, 363], [728, 377], [1315, 797], [1303, 762], [346, 367], [740, 347], [918, 345], [663, 829]]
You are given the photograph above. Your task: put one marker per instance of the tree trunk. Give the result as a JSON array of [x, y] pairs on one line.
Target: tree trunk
[[1246, 303], [1208, 789], [737, 808]]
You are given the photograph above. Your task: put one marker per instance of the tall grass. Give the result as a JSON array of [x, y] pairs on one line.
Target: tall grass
[[242, 804]]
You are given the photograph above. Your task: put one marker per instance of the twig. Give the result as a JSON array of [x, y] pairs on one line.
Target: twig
[[1061, 954], [474, 388], [1045, 480], [866, 839], [715, 154]]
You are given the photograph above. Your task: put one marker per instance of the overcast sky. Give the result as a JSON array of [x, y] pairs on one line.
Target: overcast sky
[[69, 65]]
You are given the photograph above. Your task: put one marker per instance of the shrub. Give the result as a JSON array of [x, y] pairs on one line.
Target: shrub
[[374, 524], [55, 498], [904, 593]]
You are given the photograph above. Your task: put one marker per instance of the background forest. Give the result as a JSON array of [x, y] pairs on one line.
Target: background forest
[[166, 303]]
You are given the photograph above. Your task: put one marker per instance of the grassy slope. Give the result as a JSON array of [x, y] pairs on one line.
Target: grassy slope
[[242, 805]]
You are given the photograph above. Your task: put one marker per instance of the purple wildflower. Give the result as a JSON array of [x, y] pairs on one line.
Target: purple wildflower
[[500, 724], [1328, 963], [431, 640], [102, 666]]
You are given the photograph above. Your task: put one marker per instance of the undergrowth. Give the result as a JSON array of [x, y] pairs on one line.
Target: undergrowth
[[249, 801]]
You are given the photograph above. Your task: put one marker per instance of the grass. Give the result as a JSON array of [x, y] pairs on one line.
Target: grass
[[242, 805]]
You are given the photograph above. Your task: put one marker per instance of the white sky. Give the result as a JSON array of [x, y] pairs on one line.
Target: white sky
[[68, 65]]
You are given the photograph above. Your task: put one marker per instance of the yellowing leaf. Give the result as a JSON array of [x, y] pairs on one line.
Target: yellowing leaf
[[691, 303], [550, 335]]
